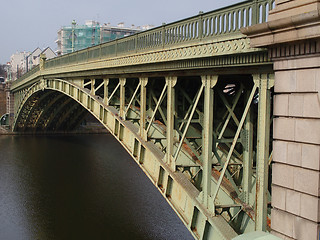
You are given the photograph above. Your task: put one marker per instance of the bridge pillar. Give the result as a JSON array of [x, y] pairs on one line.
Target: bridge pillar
[[209, 82], [143, 107], [171, 82], [292, 35]]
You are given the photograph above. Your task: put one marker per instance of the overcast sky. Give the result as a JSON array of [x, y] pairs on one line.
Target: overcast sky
[[27, 24]]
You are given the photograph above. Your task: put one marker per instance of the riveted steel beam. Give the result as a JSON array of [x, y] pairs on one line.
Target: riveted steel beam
[[143, 107], [247, 155], [208, 82], [181, 181], [122, 97], [170, 82], [265, 82], [106, 90], [92, 82]]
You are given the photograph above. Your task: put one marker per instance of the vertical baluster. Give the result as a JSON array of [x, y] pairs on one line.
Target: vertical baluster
[[255, 15], [247, 16], [241, 18], [176, 34], [183, 32], [264, 14], [210, 27], [163, 34], [234, 19], [223, 23], [218, 24], [267, 11], [226, 19], [158, 37], [199, 26], [154, 39]]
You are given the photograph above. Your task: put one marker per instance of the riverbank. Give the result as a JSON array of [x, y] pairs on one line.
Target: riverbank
[[87, 129], [4, 130]]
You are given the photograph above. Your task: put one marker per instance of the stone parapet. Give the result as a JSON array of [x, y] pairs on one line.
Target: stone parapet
[[288, 8], [289, 21]]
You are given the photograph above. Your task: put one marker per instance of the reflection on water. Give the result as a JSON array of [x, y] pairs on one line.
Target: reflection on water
[[78, 187]]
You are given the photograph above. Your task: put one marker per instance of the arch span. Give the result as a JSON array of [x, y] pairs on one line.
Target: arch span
[[56, 104]]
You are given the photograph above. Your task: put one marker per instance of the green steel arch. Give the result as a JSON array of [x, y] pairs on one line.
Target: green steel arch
[[63, 102], [194, 214], [212, 168]]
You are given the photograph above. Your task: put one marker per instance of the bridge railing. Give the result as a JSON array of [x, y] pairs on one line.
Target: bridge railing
[[29, 73], [204, 26]]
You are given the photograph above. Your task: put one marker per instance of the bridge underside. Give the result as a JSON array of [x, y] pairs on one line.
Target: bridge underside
[[50, 111], [203, 140]]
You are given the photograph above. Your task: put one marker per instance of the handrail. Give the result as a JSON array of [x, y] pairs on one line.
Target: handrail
[[35, 69], [210, 25]]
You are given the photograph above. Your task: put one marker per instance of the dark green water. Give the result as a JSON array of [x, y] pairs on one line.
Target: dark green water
[[79, 187]]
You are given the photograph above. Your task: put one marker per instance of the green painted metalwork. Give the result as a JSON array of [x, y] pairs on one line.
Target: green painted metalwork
[[214, 192], [190, 101], [223, 22]]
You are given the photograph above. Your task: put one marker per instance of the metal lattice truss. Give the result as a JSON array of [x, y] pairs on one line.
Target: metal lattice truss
[[203, 140], [190, 101]]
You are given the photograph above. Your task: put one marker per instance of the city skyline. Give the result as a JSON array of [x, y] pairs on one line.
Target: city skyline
[[35, 23]]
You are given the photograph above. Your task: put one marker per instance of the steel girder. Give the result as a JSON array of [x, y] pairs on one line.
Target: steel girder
[[193, 136]]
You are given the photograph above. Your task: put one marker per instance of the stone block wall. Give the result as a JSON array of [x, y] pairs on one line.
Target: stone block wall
[[9, 102], [2, 99], [296, 133]]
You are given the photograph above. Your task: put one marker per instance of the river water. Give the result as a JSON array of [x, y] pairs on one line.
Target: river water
[[79, 187]]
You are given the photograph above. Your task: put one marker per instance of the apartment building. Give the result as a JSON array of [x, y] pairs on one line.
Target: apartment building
[[77, 37]]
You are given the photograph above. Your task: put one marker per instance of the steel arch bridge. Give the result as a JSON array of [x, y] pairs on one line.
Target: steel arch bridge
[[190, 101]]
